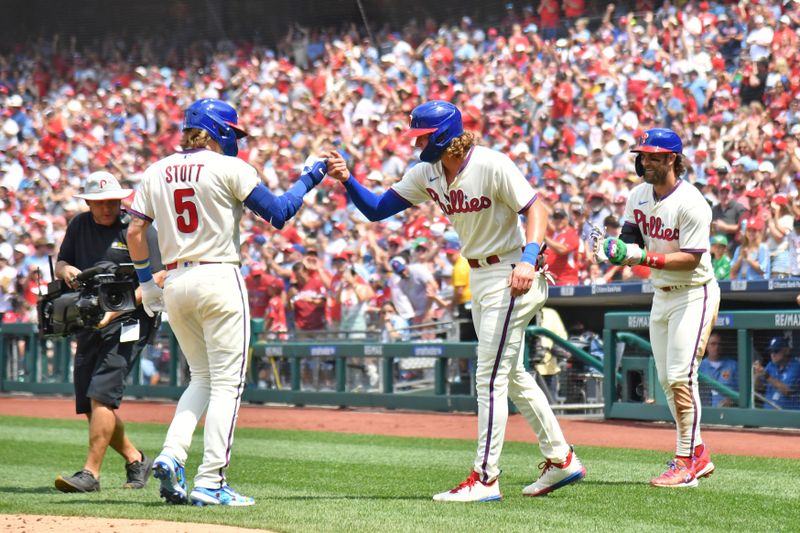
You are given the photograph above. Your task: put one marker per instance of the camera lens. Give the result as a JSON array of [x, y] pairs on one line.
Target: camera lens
[[115, 299], [117, 296]]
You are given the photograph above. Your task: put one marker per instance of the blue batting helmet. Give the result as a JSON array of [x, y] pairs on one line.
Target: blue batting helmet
[[219, 119], [659, 140], [777, 343], [439, 118]]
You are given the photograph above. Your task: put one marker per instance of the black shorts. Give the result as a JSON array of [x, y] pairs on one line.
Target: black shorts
[[467, 331], [102, 363]]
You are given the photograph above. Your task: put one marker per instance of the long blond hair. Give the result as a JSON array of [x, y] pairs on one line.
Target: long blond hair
[[459, 146], [194, 138]]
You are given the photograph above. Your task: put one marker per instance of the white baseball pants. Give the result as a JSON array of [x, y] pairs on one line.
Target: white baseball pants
[[500, 322], [209, 313], [681, 321]]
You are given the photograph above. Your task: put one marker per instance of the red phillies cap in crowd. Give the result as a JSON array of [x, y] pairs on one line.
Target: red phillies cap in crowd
[[780, 199], [756, 223], [550, 174], [755, 193]]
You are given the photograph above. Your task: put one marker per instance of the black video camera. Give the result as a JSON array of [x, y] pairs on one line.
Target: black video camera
[[103, 287]]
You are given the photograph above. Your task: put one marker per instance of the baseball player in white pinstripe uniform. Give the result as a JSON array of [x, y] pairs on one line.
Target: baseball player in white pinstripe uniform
[[195, 196], [667, 228], [482, 192]]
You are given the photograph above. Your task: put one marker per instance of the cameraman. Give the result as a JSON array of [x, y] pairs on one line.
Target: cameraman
[[105, 354]]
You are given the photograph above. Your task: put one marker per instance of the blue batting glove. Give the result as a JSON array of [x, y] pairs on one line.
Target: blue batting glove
[[317, 171]]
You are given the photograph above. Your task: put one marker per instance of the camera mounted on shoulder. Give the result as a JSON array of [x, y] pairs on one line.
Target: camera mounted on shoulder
[[104, 287]]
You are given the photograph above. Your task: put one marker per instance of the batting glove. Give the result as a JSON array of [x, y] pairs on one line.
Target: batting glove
[[317, 170], [621, 253], [596, 238], [152, 298]]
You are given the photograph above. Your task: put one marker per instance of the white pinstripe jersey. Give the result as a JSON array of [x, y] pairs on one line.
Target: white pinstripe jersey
[[195, 199], [482, 203], [680, 221]]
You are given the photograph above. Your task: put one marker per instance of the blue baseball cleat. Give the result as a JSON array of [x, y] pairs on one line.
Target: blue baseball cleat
[[172, 476], [222, 496]]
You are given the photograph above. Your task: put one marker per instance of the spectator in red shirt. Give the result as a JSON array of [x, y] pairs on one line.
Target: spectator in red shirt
[[257, 282], [550, 14], [518, 38], [574, 9], [307, 300], [562, 98], [561, 254], [275, 319]]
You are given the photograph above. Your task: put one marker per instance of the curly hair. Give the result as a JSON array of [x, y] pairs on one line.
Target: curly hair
[[194, 138], [679, 167], [459, 146]]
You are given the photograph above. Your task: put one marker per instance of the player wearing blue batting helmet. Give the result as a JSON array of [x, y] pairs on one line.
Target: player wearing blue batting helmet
[[658, 141], [219, 119], [440, 119]]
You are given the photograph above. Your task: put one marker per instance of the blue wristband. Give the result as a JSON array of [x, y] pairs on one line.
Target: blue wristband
[[531, 252], [143, 270]]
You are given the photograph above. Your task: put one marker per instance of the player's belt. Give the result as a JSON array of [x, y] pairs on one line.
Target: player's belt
[[176, 264], [477, 263], [494, 259], [673, 288]]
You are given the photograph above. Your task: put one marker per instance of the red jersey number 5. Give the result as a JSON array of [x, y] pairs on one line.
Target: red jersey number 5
[[187, 211]]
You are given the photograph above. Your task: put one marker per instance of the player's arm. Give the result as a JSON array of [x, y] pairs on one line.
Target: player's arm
[[373, 207], [535, 228], [139, 249], [629, 249], [278, 209], [631, 234], [621, 253], [522, 275]]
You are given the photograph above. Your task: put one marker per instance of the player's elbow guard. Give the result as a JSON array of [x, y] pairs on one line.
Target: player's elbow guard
[[266, 205]]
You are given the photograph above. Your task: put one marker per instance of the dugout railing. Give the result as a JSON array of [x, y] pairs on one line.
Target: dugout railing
[[43, 366], [632, 390], [33, 365]]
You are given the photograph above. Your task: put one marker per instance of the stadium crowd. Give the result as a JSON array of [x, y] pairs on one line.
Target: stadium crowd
[[563, 94]]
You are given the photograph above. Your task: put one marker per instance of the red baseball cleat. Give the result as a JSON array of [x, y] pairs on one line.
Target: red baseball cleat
[[702, 465], [679, 474]]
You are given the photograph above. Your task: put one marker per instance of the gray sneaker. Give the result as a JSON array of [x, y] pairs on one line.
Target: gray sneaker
[[83, 481], [138, 472]]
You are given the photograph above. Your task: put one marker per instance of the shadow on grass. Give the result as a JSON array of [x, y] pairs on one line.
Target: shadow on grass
[[346, 497], [616, 483], [29, 490], [107, 501], [79, 497]]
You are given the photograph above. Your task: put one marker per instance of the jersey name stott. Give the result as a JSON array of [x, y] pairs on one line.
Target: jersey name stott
[[459, 203], [654, 228], [183, 173]]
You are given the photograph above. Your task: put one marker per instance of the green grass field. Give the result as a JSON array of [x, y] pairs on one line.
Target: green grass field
[[309, 481]]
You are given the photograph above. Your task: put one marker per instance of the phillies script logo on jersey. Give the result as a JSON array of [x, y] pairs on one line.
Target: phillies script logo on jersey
[[457, 202], [654, 227]]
